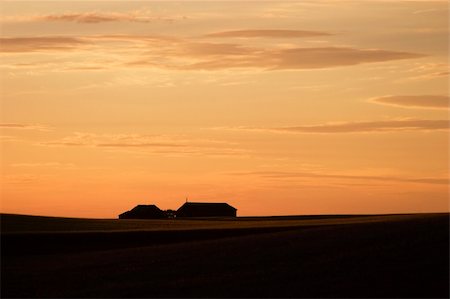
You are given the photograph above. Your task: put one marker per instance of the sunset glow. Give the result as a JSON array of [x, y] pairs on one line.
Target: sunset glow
[[277, 108]]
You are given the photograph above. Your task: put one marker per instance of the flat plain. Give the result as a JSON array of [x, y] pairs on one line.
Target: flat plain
[[359, 256]]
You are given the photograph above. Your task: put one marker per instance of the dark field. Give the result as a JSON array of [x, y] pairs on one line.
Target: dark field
[[301, 256]]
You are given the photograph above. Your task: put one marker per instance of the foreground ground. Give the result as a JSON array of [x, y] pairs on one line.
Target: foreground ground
[[313, 256]]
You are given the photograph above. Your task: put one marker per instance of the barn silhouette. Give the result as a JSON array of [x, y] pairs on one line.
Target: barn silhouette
[[206, 209], [143, 212], [188, 209]]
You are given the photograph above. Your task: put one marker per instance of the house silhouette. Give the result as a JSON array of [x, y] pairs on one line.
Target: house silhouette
[[206, 209], [143, 212], [189, 209]]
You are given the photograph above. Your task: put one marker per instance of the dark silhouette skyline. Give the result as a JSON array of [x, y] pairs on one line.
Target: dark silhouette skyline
[[188, 209]]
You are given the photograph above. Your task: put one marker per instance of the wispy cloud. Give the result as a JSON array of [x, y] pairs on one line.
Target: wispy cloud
[[209, 50], [441, 74], [271, 33], [282, 59], [418, 101], [175, 53], [44, 43], [6, 138], [382, 126], [115, 140], [156, 144], [20, 179], [425, 71], [57, 165], [20, 126], [95, 17], [293, 175], [371, 126], [141, 38]]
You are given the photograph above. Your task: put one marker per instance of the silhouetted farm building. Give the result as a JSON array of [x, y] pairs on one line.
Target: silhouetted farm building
[[143, 212], [189, 209], [203, 209]]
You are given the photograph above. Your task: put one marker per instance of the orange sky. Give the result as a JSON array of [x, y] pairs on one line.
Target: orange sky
[[277, 108]]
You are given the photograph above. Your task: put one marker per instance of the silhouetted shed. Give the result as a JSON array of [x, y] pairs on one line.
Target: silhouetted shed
[[204, 209], [143, 212]]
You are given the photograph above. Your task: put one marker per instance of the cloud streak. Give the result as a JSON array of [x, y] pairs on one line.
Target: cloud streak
[[293, 175], [418, 101], [184, 54], [115, 141], [19, 126], [44, 43], [370, 127], [156, 144], [270, 33], [45, 165], [384, 126], [94, 17], [70, 43], [278, 59]]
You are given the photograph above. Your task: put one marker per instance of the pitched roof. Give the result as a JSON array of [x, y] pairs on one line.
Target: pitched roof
[[217, 205], [145, 208], [141, 210]]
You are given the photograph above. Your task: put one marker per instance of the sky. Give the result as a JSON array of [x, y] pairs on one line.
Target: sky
[[277, 108]]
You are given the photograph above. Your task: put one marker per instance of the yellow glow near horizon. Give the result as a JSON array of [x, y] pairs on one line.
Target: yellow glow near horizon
[[276, 107]]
